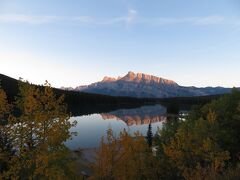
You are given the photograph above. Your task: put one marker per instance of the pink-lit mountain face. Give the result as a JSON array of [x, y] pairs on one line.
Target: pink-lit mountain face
[[144, 85], [140, 78]]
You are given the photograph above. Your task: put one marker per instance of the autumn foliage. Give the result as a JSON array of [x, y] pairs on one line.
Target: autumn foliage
[[123, 157], [33, 131], [203, 145]]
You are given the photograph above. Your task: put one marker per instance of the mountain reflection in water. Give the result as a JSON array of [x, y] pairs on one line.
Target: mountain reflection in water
[[138, 116], [90, 129]]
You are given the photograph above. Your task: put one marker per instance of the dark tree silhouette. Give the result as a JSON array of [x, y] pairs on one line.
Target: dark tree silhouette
[[149, 135]]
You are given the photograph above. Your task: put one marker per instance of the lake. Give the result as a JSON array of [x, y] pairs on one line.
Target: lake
[[91, 128]]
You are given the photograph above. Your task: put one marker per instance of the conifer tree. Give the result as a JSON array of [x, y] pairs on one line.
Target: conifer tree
[[149, 135], [5, 141]]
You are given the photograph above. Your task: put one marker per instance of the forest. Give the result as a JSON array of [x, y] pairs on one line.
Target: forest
[[80, 103], [203, 145]]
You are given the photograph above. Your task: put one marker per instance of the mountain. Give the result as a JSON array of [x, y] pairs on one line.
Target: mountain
[[79, 103], [83, 103], [146, 86]]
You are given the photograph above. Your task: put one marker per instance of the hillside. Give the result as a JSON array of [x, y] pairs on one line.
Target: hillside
[[80, 103]]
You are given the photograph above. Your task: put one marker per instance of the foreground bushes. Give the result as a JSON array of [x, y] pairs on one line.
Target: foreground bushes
[[204, 145]]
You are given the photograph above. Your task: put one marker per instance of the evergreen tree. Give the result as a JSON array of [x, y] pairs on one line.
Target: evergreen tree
[[5, 141], [149, 135]]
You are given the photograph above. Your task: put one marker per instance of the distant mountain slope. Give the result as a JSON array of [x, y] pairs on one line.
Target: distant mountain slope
[[146, 86], [10, 86], [79, 102]]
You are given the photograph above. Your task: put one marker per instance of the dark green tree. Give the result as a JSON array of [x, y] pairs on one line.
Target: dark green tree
[[149, 135], [5, 141]]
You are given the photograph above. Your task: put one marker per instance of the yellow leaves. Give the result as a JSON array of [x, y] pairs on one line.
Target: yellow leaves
[[172, 151], [207, 145], [211, 117], [4, 106], [215, 154], [122, 157], [195, 149], [37, 135]]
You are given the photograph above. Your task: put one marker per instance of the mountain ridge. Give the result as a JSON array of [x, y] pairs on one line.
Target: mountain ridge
[[138, 77], [146, 86]]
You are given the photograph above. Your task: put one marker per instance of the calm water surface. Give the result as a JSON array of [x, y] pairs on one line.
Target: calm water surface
[[90, 129]]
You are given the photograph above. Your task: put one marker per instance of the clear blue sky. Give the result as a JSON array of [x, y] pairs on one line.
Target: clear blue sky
[[77, 42]]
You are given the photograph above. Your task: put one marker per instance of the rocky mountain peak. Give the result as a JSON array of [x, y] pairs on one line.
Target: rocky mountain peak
[[108, 79], [141, 77], [144, 85], [130, 76]]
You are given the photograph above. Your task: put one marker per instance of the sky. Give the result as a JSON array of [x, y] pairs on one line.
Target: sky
[[78, 42]]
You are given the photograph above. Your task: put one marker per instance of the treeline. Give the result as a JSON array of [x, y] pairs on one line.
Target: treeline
[[80, 103], [175, 104], [204, 145]]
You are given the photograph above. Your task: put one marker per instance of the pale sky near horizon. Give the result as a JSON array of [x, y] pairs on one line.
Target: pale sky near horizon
[[78, 42]]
